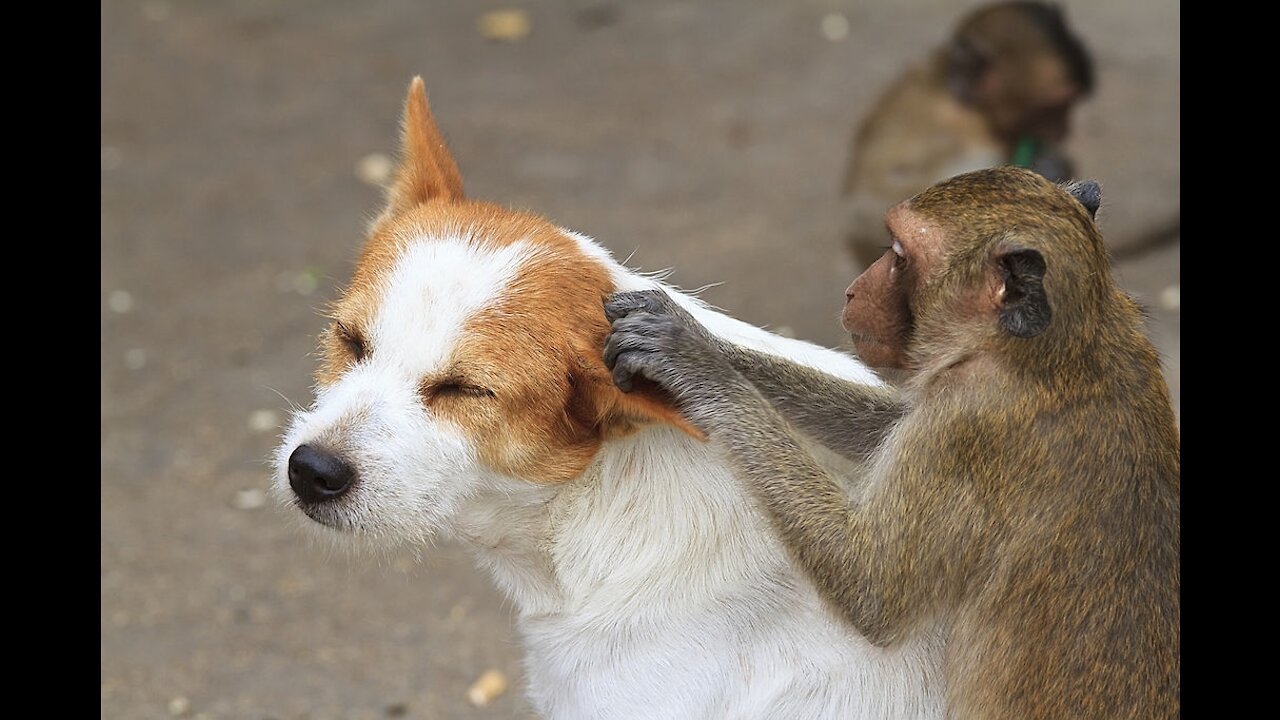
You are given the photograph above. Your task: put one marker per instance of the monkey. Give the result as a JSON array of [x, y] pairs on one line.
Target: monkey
[[999, 91], [1024, 482]]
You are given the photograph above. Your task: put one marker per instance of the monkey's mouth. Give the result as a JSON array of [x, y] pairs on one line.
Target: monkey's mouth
[[875, 351], [860, 338]]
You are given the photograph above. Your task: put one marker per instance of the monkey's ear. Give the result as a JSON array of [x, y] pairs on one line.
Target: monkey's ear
[[966, 65], [1088, 192], [1023, 303]]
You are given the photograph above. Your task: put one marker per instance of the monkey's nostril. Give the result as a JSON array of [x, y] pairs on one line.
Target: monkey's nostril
[[318, 475]]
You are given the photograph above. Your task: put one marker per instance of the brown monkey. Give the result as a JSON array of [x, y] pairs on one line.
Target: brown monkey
[[1024, 485], [999, 92]]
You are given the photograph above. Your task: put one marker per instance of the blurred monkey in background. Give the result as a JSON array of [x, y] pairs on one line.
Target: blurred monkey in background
[[999, 92]]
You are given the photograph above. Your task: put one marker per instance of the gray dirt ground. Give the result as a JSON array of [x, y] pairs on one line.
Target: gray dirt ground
[[708, 137]]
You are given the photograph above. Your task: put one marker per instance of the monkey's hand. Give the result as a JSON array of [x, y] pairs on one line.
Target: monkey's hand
[[656, 339]]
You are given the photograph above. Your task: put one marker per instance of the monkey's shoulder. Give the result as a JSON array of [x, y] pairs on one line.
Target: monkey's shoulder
[[1063, 451]]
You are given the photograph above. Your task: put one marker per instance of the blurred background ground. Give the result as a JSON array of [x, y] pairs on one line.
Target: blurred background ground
[[709, 137]]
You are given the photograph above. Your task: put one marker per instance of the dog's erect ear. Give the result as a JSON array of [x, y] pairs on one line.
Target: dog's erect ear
[[427, 170]]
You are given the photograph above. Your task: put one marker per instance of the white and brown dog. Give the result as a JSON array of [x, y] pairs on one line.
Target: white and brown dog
[[463, 393]]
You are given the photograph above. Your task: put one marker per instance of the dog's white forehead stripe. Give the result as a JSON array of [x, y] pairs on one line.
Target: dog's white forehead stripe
[[436, 285]]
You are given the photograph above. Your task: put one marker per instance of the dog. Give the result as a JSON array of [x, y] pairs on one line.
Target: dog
[[462, 393]]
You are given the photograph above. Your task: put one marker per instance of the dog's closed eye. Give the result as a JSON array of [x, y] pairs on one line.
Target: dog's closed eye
[[453, 388], [351, 339]]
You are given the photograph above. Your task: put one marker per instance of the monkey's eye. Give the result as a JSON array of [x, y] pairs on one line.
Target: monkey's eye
[[352, 340], [899, 255]]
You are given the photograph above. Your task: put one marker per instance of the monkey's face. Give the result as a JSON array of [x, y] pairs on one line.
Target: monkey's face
[[959, 274], [937, 285], [1032, 97], [877, 311]]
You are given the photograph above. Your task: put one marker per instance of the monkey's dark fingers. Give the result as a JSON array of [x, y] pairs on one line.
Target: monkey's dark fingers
[[626, 367], [619, 305], [611, 350], [641, 337], [646, 324]]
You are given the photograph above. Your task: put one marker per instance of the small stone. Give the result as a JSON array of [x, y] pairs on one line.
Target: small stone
[[294, 584], [135, 359], [284, 281], [835, 26], [504, 25], [303, 282], [179, 706], [487, 687], [396, 710], [596, 16], [120, 301], [457, 614], [306, 282], [111, 157], [250, 499], [261, 613], [1171, 297], [374, 169], [264, 421], [156, 10]]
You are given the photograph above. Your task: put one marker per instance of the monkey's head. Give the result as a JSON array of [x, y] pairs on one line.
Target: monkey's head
[[996, 260], [1020, 66]]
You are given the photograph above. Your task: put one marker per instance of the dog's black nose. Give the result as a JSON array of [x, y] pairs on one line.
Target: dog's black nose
[[318, 475]]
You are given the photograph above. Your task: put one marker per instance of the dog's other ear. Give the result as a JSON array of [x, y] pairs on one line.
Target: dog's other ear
[[427, 170], [614, 413], [645, 405]]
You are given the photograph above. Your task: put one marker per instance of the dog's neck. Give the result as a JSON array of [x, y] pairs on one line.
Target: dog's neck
[[654, 523]]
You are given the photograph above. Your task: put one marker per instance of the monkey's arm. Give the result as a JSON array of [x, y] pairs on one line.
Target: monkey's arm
[[849, 418], [883, 563]]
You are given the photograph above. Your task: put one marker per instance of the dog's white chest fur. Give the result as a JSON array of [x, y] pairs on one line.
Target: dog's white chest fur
[[652, 588]]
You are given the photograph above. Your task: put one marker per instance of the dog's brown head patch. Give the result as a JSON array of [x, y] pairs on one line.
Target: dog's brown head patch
[[523, 376]]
